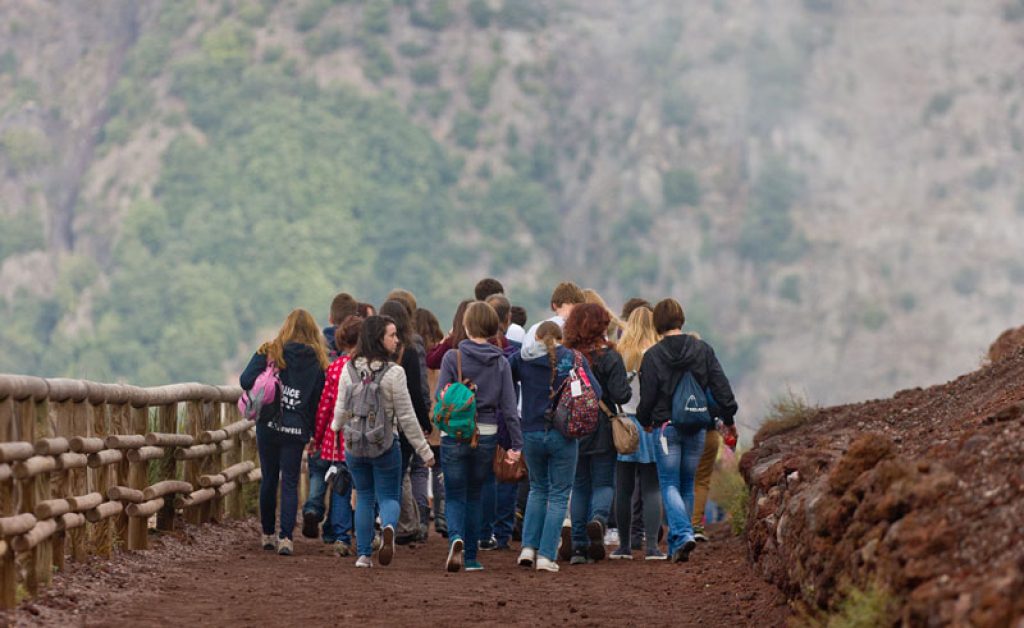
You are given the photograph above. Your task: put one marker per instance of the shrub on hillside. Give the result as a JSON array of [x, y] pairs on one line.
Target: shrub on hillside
[[311, 14], [729, 491], [681, 187], [786, 412], [465, 127], [436, 16], [480, 13]]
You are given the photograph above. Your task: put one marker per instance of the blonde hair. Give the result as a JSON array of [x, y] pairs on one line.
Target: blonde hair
[[591, 296], [299, 326], [638, 337]]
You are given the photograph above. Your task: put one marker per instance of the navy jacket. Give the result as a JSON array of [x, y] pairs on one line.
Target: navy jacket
[[534, 375], [664, 365], [302, 381]]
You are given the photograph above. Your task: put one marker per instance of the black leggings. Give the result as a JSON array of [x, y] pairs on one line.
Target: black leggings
[[626, 476]]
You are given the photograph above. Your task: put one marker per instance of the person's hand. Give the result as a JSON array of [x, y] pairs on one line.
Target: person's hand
[[512, 456], [430, 461]]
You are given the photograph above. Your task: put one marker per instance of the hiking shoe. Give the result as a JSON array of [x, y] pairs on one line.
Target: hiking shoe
[[565, 546], [527, 557], [342, 549], [269, 542], [474, 565], [454, 562], [595, 532], [406, 539], [653, 553], [699, 535], [364, 561], [623, 553], [543, 564], [488, 544], [377, 542], [310, 524], [579, 557], [387, 548], [502, 546], [682, 554], [284, 547]]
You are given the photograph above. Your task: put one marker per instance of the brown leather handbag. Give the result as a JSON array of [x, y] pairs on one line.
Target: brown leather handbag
[[505, 472], [624, 433]]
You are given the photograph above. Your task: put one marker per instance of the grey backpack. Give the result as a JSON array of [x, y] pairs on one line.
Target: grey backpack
[[369, 432]]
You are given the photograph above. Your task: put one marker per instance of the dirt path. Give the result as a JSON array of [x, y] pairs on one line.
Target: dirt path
[[220, 577]]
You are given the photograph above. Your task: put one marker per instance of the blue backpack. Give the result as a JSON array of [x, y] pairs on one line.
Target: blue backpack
[[690, 406]]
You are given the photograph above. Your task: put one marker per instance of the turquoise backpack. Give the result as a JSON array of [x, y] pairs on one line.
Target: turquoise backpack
[[455, 410]]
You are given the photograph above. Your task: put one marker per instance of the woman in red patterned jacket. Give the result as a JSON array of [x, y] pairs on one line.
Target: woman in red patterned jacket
[[326, 449]]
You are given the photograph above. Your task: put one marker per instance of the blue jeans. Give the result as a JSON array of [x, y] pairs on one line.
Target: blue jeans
[[677, 455], [466, 471], [592, 492], [280, 461], [488, 505], [378, 482], [505, 511], [551, 459], [338, 525]]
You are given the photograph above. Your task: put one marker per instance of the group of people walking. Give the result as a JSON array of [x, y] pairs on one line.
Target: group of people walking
[[381, 399]]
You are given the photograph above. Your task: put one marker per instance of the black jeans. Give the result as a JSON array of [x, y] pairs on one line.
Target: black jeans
[[280, 459], [627, 476]]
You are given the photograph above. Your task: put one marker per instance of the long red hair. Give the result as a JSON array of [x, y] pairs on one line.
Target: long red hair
[[586, 328]]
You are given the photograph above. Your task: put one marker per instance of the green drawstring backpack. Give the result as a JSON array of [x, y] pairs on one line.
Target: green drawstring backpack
[[455, 410]]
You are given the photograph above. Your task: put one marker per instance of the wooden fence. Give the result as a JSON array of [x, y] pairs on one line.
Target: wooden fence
[[86, 468]]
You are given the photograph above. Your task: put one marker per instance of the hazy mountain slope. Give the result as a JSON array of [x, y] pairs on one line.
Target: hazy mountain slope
[[830, 190]]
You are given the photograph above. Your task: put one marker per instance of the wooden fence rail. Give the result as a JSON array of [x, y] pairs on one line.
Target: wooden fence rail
[[85, 467]]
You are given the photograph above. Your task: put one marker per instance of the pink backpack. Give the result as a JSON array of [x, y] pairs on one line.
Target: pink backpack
[[262, 393]]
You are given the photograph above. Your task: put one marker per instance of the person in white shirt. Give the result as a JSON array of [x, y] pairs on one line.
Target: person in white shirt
[[565, 297]]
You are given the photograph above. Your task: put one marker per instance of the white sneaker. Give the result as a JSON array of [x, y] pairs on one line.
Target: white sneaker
[[526, 557], [364, 561], [269, 542], [387, 547], [611, 537], [543, 564], [284, 547]]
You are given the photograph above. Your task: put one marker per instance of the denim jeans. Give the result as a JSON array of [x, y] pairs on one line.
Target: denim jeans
[[280, 461], [551, 459], [488, 505], [378, 482], [505, 511], [338, 525], [592, 492], [466, 470], [677, 455]]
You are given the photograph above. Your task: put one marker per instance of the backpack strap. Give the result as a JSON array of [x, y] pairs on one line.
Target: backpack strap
[[458, 364]]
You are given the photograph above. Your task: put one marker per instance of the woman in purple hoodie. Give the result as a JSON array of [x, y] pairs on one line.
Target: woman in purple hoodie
[[468, 467]]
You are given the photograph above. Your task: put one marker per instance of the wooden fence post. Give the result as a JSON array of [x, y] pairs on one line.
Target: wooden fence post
[[8, 508], [210, 510], [60, 418], [79, 478], [101, 480], [193, 420], [235, 506], [167, 423], [35, 424], [138, 527], [121, 424]]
